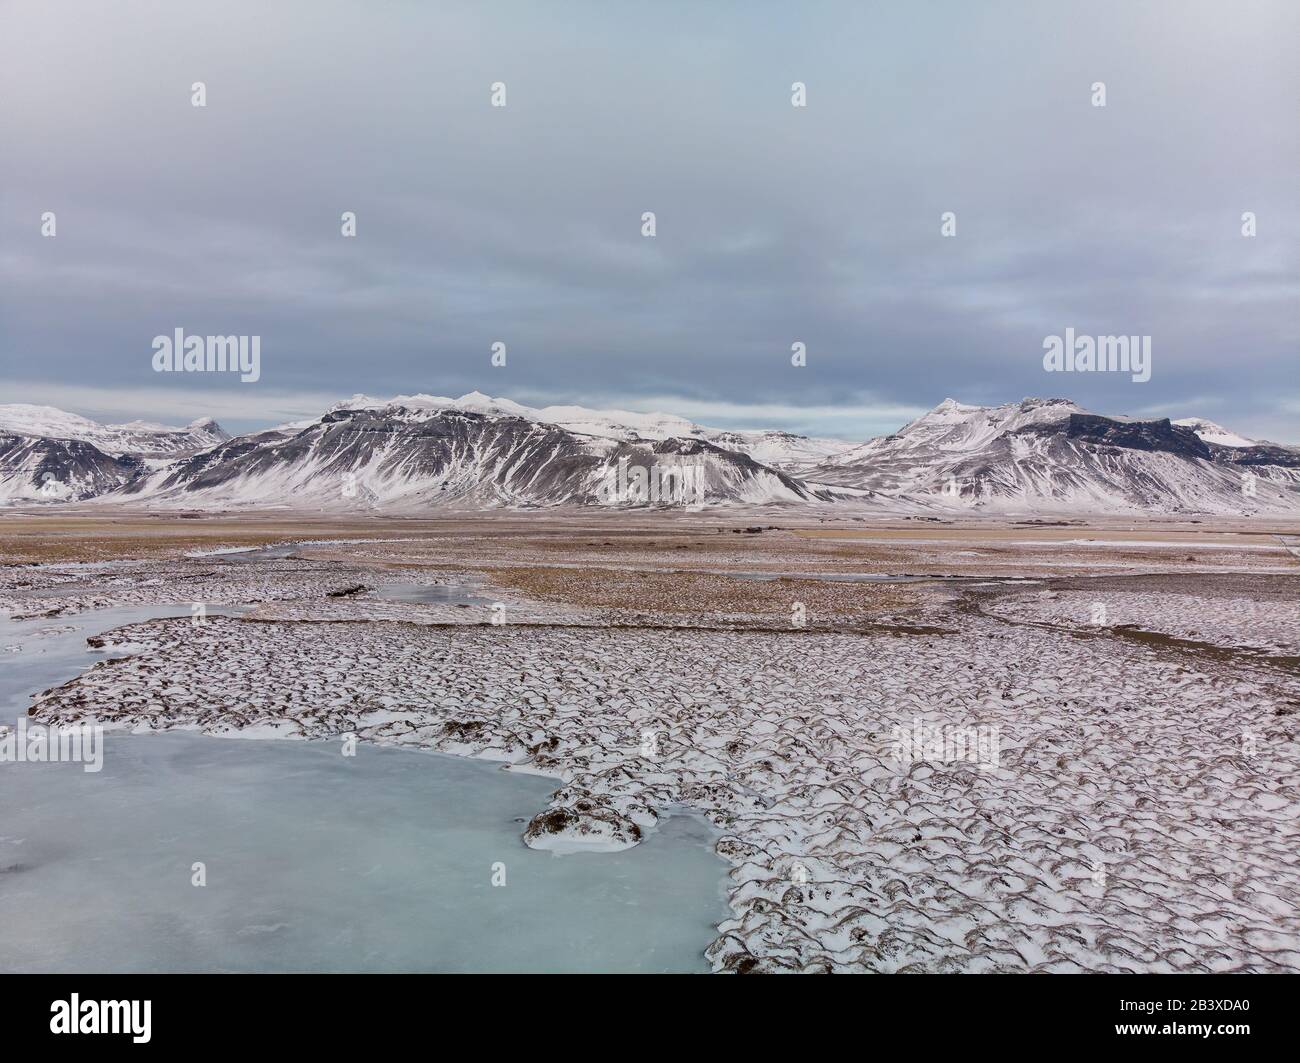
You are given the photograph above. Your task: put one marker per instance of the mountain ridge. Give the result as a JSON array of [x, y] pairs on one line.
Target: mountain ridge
[[411, 452]]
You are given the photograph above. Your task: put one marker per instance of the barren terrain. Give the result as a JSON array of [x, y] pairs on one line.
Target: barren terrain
[[1132, 803]]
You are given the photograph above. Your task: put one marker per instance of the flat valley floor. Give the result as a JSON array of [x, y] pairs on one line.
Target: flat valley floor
[[928, 745]]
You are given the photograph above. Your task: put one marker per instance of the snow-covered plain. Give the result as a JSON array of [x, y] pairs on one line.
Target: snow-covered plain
[[1267, 627], [382, 861], [1141, 814], [66, 589]]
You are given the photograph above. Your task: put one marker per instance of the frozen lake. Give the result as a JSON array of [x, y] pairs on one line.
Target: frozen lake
[[314, 861]]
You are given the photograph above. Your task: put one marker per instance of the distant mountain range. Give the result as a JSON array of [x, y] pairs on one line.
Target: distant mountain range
[[417, 452], [1052, 455], [47, 454]]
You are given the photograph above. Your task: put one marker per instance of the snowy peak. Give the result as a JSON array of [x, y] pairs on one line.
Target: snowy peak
[[1007, 417], [620, 424], [48, 422], [1053, 455], [427, 405], [783, 450], [1213, 433], [955, 428], [138, 439]]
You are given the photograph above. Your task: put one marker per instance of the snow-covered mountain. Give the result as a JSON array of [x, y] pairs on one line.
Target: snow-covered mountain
[[780, 450], [1213, 433], [414, 452], [1053, 455], [48, 454], [138, 439], [34, 469]]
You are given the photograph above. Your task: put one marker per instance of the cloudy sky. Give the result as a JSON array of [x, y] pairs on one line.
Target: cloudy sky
[[775, 224]]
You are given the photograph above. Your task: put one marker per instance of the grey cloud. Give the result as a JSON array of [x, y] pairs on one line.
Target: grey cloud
[[522, 224]]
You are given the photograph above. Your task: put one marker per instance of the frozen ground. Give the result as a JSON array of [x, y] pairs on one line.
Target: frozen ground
[[1141, 811], [66, 589], [389, 860], [1142, 816], [1268, 627]]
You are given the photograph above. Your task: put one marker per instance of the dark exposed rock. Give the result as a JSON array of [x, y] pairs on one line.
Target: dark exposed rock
[[584, 823], [62, 469], [346, 592]]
